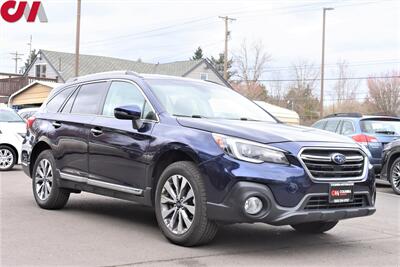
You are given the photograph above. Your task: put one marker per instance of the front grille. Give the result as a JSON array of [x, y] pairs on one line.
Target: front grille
[[322, 203], [321, 166]]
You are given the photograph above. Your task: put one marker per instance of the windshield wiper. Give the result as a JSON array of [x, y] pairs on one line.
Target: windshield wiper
[[191, 116]]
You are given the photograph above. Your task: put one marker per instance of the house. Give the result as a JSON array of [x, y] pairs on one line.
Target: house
[[32, 95], [61, 66]]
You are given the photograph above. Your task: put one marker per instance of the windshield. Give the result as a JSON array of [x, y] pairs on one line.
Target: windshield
[[386, 127], [9, 116], [205, 100]]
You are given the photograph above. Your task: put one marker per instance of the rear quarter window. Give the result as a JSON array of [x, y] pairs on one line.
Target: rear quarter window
[[319, 125], [56, 102]]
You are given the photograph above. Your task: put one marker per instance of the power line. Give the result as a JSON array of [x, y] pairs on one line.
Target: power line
[[326, 79]]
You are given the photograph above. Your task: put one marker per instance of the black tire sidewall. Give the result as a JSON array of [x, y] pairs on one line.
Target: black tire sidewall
[[14, 157], [55, 189], [197, 186], [395, 189]]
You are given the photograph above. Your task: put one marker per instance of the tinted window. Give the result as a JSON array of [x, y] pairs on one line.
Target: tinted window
[[122, 94], [331, 125], [55, 103], [381, 126], [319, 125], [348, 128], [67, 107], [89, 98]]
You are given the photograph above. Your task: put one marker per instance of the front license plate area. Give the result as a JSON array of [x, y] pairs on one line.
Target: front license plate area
[[341, 193]]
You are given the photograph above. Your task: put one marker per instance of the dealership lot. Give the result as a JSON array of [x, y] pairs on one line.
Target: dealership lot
[[99, 231]]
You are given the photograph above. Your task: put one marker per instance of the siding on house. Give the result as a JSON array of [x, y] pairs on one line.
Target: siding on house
[[203, 68], [50, 71], [37, 94]]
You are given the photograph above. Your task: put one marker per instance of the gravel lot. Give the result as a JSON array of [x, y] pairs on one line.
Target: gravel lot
[[100, 231]]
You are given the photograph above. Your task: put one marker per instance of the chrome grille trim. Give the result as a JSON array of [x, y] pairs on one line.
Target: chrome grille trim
[[320, 167]]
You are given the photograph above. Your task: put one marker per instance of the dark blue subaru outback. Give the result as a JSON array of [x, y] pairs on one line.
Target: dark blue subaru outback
[[201, 154]]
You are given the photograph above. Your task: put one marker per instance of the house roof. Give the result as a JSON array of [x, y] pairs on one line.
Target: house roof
[[64, 64]]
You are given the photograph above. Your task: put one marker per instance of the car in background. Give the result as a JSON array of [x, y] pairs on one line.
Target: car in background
[[12, 133], [26, 113], [374, 132], [391, 165]]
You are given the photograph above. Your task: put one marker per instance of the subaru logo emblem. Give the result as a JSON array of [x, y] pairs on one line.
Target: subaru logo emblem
[[338, 158]]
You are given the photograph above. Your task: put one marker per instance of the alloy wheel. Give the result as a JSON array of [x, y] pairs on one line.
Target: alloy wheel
[[43, 179], [6, 158], [396, 175], [177, 204]]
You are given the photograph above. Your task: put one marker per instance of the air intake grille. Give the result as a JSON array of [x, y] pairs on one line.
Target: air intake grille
[[322, 203], [321, 165]]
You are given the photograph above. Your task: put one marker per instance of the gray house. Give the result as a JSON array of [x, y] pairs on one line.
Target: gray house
[[60, 66]]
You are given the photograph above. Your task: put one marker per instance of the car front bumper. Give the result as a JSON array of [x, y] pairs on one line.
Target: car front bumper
[[232, 209]]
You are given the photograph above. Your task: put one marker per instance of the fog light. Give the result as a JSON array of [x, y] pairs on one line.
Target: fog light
[[253, 205]]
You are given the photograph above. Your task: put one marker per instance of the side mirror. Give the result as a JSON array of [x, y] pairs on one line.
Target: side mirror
[[132, 113]]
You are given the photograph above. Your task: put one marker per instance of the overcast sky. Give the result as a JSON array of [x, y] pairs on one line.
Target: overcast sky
[[365, 33]]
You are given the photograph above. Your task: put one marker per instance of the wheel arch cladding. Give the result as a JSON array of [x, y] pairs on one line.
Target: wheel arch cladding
[[38, 148], [392, 158], [164, 160]]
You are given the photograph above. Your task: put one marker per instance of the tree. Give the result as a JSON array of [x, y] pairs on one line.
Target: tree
[[251, 63], [198, 54], [384, 93], [218, 64], [300, 96], [345, 89], [30, 59]]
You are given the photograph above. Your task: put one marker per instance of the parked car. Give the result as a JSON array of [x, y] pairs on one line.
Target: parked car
[[391, 165], [374, 132], [26, 113], [12, 132], [199, 153]]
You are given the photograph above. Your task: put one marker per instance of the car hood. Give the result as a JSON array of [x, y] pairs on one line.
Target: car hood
[[263, 132], [13, 127]]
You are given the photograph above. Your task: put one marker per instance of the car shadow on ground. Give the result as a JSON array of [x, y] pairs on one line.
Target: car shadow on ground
[[243, 237]]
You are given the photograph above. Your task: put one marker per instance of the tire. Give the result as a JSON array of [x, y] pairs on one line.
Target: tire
[[314, 227], [8, 158], [394, 176], [45, 183], [191, 226]]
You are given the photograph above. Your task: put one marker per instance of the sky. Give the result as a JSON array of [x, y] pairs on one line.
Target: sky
[[364, 33]]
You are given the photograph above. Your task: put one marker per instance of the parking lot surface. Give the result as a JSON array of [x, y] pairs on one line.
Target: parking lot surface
[[99, 231]]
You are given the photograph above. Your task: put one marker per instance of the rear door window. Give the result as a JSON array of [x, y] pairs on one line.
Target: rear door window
[[90, 98], [56, 102], [332, 125]]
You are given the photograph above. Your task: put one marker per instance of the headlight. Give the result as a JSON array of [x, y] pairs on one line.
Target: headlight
[[250, 151]]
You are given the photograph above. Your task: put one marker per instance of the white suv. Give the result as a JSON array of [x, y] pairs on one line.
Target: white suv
[[12, 132]]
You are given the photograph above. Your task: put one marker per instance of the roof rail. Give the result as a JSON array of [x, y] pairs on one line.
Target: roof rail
[[120, 72], [350, 114]]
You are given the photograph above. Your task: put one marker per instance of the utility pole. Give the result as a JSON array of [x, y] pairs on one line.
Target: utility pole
[[78, 34], [323, 59], [16, 58], [227, 34], [30, 49]]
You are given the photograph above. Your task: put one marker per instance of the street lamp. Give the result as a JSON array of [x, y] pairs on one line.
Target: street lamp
[[323, 59]]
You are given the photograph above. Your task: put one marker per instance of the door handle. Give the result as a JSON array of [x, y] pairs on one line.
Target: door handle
[[96, 131], [56, 124]]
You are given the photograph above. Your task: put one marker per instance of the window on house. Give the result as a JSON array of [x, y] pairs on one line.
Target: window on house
[[40, 71], [204, 76]]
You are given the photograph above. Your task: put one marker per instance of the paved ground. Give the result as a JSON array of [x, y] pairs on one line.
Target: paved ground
[[99, 231]]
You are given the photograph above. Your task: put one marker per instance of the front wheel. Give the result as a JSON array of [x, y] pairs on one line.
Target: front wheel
[[314, 227], [180, 206], [394, 176]]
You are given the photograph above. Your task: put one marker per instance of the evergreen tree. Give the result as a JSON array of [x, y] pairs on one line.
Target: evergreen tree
[[198, 54], [218, 64], [30, 59]]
